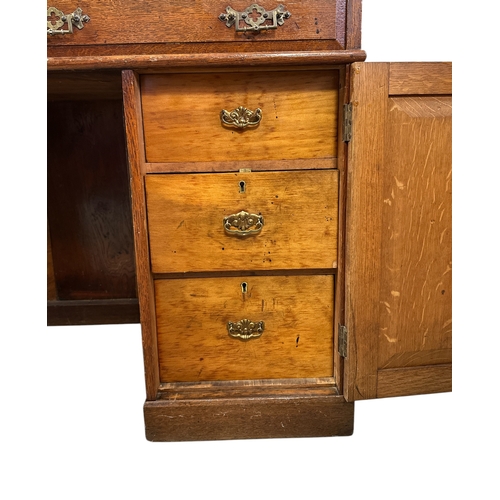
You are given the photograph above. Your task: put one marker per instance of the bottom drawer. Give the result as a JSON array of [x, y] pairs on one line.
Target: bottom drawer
[[203, 335]]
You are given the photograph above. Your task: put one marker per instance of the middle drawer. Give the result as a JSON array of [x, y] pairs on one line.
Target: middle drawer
[[243, 221]]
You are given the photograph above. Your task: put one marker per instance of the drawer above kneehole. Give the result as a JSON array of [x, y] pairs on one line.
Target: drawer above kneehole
[[208, 21], [245, 328], [243, 221], [287, 115]]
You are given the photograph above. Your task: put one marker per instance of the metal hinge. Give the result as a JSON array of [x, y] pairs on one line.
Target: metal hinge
[[347, 128], [343, 341]]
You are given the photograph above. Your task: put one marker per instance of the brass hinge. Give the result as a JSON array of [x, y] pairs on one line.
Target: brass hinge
[[347, 128], [343, 341]]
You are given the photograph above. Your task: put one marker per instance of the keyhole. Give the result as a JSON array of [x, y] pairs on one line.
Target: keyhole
[[243, 186], [244, 287]]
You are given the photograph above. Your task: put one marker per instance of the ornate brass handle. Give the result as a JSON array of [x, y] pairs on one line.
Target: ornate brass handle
[[255, 17], [243, 224], [56, 19], [245, 329], [241, 117]]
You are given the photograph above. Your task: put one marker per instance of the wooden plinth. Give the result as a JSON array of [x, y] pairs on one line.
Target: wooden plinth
[[240, 412]]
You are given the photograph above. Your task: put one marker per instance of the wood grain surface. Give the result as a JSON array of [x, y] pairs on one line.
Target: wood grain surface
[[145, 289], [301, 414], [186, 213], [182, 116], [420, 78], [410, 381], [88, 200], [194, 343], [126, 21], [399, 237], [162, 60], [353, 28]]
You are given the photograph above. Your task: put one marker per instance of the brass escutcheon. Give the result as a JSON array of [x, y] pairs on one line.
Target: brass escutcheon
[[245, 329]]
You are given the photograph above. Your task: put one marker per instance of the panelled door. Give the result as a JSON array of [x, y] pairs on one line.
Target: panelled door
[[398, 246]]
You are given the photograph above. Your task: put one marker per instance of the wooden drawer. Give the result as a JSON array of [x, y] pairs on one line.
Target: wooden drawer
[[148, 21], [186, 214], [182, 122], [193, 336]]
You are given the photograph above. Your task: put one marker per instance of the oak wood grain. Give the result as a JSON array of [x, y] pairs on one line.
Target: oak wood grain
[[194, 343], [423, 78], [125, 21], [414, 380], [186, 214], [145, 289], [415, 287], [244, 388], [182, 116], [137, 51], [418, 358], [342, 232], [288, 56], [353, 28], [400, 231], [369, 88], [299, 414]]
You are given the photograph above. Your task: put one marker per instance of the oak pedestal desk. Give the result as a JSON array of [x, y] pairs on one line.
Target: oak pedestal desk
[[274, 211]]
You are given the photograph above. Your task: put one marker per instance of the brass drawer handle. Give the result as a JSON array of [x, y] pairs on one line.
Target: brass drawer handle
[[245, 329], [56, 19], [241, 117], [255, 17], [243, 224]]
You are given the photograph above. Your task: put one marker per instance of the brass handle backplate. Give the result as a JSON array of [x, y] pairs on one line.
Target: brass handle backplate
[[245, 329], [255, 17], [56, 19], [241, 117], [243, 224]]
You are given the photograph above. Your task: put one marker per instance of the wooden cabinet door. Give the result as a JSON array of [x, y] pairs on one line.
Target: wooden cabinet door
[[398, 245]]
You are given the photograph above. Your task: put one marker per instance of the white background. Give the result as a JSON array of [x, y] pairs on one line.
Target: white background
[[71, 423]]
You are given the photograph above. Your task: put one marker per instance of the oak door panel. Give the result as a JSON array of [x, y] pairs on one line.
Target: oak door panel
[[398, 281]]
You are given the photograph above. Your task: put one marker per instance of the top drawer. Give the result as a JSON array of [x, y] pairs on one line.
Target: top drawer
[[148, 21], [297, 117]]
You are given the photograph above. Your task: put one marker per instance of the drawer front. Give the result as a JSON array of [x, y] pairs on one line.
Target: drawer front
[[191, 228], [182, 116], [295, 338], [148, 21]]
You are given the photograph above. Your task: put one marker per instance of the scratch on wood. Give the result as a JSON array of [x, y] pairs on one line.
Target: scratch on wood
[[425, 336]]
